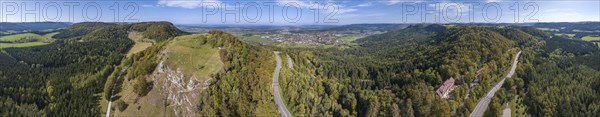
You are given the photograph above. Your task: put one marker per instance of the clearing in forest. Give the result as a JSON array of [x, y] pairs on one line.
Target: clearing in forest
[[141, 43]]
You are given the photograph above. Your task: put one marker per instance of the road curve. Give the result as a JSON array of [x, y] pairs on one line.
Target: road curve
[[483, 103], [112, 92], [280, 105]]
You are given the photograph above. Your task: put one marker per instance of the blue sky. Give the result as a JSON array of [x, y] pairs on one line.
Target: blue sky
[[302, 12]]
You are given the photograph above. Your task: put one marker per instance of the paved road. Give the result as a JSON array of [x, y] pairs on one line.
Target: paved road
[[110, 100], [280, 105], [112, 92], [506, 111], [483, 103]]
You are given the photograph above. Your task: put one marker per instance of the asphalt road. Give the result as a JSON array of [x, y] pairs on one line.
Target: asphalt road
[[483, 103], [280, 105], [112, 92], [506, 111]]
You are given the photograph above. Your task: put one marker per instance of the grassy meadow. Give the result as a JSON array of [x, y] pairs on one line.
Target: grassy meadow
[[41, 40]]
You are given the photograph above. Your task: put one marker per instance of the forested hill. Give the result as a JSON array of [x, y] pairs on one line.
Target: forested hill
[[454, 51], [65, 77], [397, 73], [243, 88], [158, 31], [373, 27], [36, 26], [390, 74]]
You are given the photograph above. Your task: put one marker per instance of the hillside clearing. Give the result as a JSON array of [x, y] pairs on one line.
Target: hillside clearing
[[140, 43], [19, 45], [40, 40], [590, 38], [188, 64], [194, 59], [257, 39], [30, 35], [349, 39]]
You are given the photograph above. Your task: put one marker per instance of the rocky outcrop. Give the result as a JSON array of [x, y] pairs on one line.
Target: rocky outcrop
[[181, 92]]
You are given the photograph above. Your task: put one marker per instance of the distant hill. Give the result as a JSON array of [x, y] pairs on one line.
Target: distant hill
[[22, 26], [158, 31], [588, 26], [373, 27], [356, 27]]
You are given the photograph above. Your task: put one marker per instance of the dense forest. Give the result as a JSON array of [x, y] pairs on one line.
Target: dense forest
[[390, 74], [579, 29], [244, 86], [31, 26], [396, 73], [66, 78]]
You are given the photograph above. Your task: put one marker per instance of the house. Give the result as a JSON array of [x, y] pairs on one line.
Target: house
[[446, 88]]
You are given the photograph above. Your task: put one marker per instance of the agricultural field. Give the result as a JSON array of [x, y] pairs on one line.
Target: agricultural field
[[590, 38], [20, 45], [141, 43], [294, 45], [194, 59], [26, 40], [549, 29], [349, 39], [568, 35], [593, 39], [256, 39], [28, 35], [575, 30], [186, 54]]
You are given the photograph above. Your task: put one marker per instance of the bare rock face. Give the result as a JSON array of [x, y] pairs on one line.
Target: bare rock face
[[180, 92]]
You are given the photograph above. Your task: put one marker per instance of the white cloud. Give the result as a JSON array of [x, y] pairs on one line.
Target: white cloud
[[189, 4], [362, 15], [297, 3], [342, 11], [365, 4], [488, 1], [328, 6], [392, 2], [149, 5]]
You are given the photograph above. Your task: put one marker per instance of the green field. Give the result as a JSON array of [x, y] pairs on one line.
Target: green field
[[548, 29], [590, 38], [194, 59], [349, 39], [184, 53], [30, 35], [42, 40], [140, 44], [568, 35], [18, 45], [575, 30], [256, 39]]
